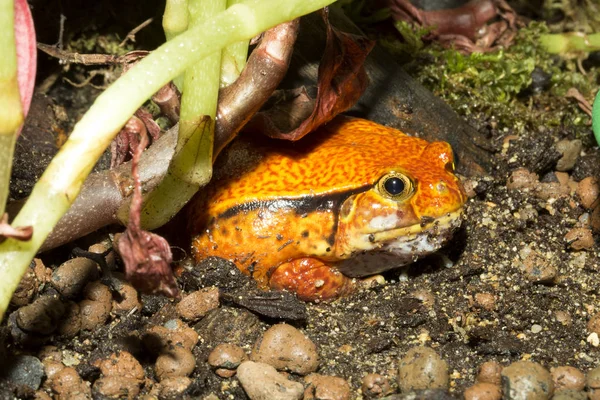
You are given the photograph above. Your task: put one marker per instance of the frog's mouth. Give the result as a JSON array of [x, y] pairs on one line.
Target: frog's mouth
[[400, 246]]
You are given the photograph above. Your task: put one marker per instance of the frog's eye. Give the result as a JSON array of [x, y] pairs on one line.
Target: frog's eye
[[450, 167], [396, 186]]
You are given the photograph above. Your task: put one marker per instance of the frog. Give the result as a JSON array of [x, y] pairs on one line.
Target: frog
[[325, 215]]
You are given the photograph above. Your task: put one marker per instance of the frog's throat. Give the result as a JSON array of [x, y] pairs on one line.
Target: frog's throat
[[441, 225]]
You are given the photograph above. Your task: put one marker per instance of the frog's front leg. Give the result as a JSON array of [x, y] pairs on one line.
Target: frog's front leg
[[311, 279]]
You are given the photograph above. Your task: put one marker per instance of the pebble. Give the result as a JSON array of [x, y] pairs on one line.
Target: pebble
[[569, 394], [593, 383], [286, 348], [103, 247], [95, 309], [566, 377], [262, 382], [24, 370], [122, 364], [580, 239], [487, 301], [172, 388], [68, 385], [226, 357], [197, 304], [425, 296], [422, 368], [70, 325], [26, 289], [483, 391], [177, 361], [588, 192], [595, 219], [173, 333], [322, 387], [521, 178], [537, 268], [127, 298], [71, 276], [375, 385], [570, 150], [41, 316], [116, 387], [526, 380]]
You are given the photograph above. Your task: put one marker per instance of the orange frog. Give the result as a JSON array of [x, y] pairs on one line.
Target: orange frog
[[351, 199]]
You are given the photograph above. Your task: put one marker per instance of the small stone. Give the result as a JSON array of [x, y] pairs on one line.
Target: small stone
[[566, 377], [128, 297], [197, 304], [425, 296], [41, 316], [41, 395], [26, 289], [121, 364], [375, 385], [563, 317], [422, 368], [286, 348], [521, 178], [321, 387], [70, 325], [24, 370], [595, 219], [175, 362], [593, 383], [551, 190], [68, 385], [116, 387], [487, 301], [526, 380], [537, 268], [225, 373], [173, 333], [588, 192], [593, 324], [226, 355], [71, 276], [105, 246], [490, 372], [171, 388], [580, 239], [535, 328], [262, 382], [570, 150], [483, 391]]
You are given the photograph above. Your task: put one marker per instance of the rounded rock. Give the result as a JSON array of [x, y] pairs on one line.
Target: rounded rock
[[41, 316], [93, 314], [538, 269], [70, 325], [226, 355], [71, 276], [570, 150], [521, 178], [588, 192], [197, 304], [593, 383], [375, 385], [526, 380], [24, 370], [286, 348], [566, 377], [485, 300], [262, 382], [322, 387], [483, 391], [569, 394], [26, 289], [563, 317], [175, 362], [425, 296], [490, 372], [422, 368], [174, 387], [116, 387], [128, 297], [122, 364], [67, 383], [580, 239]]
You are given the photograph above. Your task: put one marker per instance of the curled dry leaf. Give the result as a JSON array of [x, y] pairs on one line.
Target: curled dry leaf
[[342, 80], [22, 233], [147, 256]]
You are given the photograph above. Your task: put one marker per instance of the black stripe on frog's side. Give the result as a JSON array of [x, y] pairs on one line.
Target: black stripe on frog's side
[[302, 205]]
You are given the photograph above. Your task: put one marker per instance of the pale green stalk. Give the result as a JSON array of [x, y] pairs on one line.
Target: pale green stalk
[[62, 180], [191, 166], [233, 58], [175, 18], [11, 112], [562, 43]]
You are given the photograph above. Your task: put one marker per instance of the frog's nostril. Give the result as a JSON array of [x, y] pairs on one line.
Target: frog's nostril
[[441, 187]]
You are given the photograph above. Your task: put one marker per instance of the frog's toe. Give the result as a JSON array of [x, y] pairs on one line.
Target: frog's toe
[[311, 280]]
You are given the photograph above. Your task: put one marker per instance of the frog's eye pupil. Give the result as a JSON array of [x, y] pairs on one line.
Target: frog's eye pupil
[[394, 185]]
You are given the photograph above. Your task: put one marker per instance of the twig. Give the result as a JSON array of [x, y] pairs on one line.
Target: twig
[[131, 34]]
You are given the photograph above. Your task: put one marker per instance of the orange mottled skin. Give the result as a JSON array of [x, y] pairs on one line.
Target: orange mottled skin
[[297, 215]]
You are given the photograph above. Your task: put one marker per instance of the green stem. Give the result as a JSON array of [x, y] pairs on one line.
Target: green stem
[[11, 112], [176, 18], [233, 58], [562, 43], [60, 184], [191, 166]]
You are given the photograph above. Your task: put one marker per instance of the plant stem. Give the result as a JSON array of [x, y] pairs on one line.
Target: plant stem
[[191, 166], [60, 184], [11, 111], [562, 43], [176, 18], [233, 58]]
